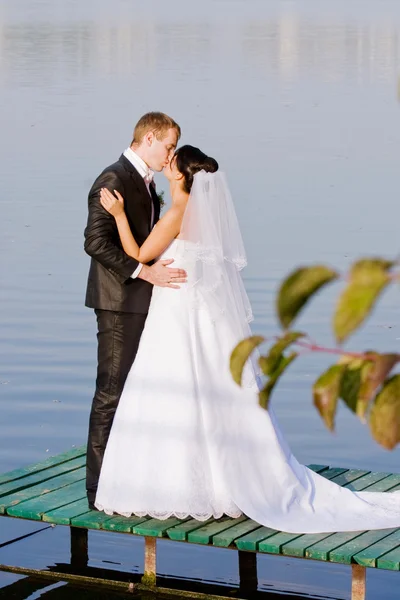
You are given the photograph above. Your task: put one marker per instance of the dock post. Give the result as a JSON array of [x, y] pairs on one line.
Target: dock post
[[79, 547], [358, 582], [248, 580], [150, 561]]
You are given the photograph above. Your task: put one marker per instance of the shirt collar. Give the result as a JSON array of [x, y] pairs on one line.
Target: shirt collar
[[138, 162]]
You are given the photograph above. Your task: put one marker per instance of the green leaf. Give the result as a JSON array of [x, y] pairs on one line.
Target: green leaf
[[265, 394], [362, 266], [368, 278], [378, 369], [298, 288], [385, 414], [241, 354], [326, 394], [351, 381], [272, 360], [362, 378], [267, 366]]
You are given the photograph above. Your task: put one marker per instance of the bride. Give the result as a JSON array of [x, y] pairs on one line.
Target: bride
[[186, 440]]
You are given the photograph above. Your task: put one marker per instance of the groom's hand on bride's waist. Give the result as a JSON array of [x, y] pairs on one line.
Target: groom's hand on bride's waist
[[162, 275]]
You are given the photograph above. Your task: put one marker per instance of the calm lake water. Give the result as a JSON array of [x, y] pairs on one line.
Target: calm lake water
[[299, 102]]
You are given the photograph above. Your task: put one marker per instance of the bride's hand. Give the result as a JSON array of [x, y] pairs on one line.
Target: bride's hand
[[113, 204]]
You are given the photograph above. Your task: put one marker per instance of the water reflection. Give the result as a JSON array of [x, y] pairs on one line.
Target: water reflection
[[29, 588], [289, 47], [34, 588]]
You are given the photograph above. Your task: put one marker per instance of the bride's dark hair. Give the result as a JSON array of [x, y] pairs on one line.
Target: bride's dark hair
[[191, 160]]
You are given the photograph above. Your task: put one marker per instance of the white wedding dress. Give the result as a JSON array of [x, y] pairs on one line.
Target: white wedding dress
[[188, 442]]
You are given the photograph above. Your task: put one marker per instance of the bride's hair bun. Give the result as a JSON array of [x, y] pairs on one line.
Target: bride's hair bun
[[190, 160], [210, 165]]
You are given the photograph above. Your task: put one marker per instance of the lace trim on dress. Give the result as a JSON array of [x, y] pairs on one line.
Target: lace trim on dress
[[167, 515], [211, 255]]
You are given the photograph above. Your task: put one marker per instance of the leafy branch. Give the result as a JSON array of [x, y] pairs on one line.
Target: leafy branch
[[364, 381]]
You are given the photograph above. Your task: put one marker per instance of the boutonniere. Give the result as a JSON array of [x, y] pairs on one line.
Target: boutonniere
[[161, 199]]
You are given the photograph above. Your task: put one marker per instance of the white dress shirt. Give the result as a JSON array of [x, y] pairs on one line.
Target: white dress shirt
[[147, 174]]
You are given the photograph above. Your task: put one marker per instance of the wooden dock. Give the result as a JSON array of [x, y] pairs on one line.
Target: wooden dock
[[54, 492]]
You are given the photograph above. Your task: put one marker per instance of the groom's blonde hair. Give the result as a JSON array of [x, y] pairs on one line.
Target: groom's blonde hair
[[157, 122]]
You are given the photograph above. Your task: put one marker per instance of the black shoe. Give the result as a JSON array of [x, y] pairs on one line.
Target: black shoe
[[92, 506]]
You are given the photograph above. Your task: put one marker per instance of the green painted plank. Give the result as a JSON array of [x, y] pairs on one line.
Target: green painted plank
[[93, 519], [321, 550], [227, 537], [39, 491], [395, 489], [298, 546], [365, 481], [386, 484], [78, 514], [49, 462], [181, 531], [123, 524], [19, 484], [251, 540], [344, 554], [333, 472], [205, 534], [155, 527], [36, 507], [349, 476], [369, 556], [390, 561], [318, 468], [274, 543], [63, 515]]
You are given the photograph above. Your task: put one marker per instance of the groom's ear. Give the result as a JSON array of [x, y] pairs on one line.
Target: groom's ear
[[149, 138]]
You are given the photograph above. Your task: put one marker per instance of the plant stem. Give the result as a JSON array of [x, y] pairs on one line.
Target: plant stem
[[337, 351]]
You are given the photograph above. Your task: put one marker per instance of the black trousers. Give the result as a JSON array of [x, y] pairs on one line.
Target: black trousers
[[118, 336]]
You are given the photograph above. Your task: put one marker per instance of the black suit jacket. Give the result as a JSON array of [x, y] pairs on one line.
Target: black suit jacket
[[110, 286]]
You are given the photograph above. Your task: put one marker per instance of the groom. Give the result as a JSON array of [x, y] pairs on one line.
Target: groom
[[119, 287]]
